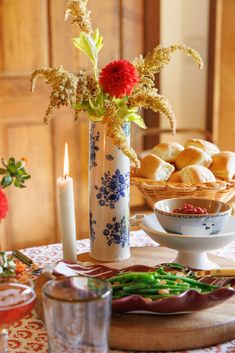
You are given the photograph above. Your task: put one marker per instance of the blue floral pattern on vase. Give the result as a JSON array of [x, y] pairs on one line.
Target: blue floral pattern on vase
[[93, 146], [113, 188], [117, 232], [92, 230]]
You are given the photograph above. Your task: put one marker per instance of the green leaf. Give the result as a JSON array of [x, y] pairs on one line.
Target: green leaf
[[99, 111], [6, 181], [136, 118], [14, 173], [17, 183], [95, 118], [26, 177], [98, 39], [12, 168], [12, 161], [19, 165], [88, 46]]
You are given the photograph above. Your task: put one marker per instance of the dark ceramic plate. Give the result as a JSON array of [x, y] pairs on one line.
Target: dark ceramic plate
[[187, 302]]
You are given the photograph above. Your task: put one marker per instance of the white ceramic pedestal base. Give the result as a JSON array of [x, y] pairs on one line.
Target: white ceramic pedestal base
[[192, 250], [196, 260]]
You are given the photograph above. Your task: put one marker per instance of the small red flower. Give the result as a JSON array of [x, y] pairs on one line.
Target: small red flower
[[3, 204], [118, 78]]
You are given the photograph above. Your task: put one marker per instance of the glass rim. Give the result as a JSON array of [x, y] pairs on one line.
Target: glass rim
[[98, 297], [16, 306]]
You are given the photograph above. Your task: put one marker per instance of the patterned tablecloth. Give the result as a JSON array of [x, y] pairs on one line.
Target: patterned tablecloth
[[29, 335]]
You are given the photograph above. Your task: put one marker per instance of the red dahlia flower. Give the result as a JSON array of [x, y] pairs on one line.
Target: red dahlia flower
[[119, 78], [3, 205]]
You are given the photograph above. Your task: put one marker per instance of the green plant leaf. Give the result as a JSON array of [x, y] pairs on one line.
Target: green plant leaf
[[12, 161], [136, 118], [17, 183], [98, 39], [6, 181], [19, 165], [14, 173], [95, 118], [26, 177], [88, 46]]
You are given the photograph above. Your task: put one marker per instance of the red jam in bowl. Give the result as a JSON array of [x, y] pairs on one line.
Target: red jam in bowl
[[190, 209]]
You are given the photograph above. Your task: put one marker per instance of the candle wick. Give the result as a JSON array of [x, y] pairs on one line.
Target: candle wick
[[65, 176]]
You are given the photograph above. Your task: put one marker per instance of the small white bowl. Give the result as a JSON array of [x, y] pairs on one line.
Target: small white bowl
[[192, 224]]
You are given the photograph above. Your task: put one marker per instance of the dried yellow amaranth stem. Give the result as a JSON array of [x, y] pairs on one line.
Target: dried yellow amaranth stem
[[80, 15], [64, 85], [155, 60], [154, 101], [116, 133]]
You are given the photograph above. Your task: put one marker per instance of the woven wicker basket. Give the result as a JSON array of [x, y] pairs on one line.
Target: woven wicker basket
[[159, 190]]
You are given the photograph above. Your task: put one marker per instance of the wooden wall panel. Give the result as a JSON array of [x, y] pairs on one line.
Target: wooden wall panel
[[31, 220], [18, 104], [23, 36]]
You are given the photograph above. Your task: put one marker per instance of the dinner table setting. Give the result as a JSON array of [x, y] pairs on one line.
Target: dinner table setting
[[30, 335], [157, 281]]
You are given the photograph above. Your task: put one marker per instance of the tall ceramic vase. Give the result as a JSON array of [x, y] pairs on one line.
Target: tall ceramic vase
[[109, 192]]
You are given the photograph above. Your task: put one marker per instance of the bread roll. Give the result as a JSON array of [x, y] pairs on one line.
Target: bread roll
[[223, 165], [196, 174], [206, 146], [154, 168], [176, 177], [168, 151], [192, 155]]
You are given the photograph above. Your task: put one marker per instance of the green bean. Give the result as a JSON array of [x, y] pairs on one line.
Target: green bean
[[133, 276], [135, 287], [148, 284], [188, 280], [169, 281]]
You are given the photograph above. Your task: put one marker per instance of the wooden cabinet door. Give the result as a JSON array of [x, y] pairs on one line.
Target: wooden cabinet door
[[34, 34]]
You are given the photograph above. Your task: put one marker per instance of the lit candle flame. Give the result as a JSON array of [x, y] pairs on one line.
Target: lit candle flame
[[66, 161]]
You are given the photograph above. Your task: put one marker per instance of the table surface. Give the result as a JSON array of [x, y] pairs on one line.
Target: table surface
[[29, 335]]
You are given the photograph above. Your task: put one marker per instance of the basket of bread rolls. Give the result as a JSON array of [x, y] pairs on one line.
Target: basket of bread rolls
[[197, 169]]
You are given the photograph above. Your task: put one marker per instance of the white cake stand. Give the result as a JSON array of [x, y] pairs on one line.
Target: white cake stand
[[192, 250]]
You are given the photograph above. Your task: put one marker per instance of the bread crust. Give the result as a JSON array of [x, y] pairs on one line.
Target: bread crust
[[154, 168], [208, 147], [196, 174], [192, 155], [168, 151], [223, 165], [176, 177]]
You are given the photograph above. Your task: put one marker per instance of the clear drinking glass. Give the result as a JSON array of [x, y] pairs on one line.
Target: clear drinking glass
[[16, 301], [77, 314]]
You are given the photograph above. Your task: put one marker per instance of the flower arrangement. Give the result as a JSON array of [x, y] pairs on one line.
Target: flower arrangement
[[114, 94], [13, 172]]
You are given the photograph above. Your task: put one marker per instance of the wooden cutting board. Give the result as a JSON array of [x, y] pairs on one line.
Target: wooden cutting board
[[164, 333], [174, 332]]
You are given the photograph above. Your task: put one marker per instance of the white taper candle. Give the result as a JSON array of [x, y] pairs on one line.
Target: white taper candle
[[66, 212]]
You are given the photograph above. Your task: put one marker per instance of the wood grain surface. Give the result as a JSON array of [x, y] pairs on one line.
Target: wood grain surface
[[174, 332]]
